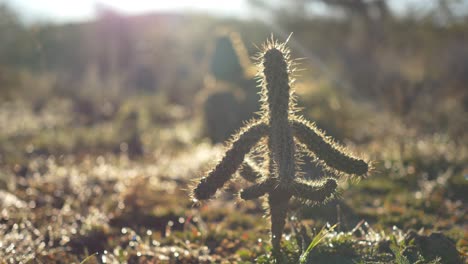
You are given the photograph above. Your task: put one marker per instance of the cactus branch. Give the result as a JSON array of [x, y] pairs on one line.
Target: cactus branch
[[326, 150], [233, 158], [250, 171], [257, 190], [315, 193]]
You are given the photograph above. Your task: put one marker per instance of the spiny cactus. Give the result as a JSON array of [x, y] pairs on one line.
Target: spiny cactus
[[277, 134]]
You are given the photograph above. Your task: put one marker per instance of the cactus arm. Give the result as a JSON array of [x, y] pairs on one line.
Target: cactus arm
[[326, 150], [257, 190], [239, 147], [316, 193], [250, 171]]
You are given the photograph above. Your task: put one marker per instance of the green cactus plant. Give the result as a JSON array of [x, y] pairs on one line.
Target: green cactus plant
[[278, 133], [229, 85], [130, 134], [216, 124], [229, 58]]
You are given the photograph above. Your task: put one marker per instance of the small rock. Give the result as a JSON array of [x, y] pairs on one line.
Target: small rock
[[433, 246], [384, 246]]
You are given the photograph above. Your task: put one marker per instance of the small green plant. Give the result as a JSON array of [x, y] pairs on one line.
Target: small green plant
[[317, 239], [88, 258], [274, 134]]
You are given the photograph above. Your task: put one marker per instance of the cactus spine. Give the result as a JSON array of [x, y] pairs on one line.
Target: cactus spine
[[279, 127]]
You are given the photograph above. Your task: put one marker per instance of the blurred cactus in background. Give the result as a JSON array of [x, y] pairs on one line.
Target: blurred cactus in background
[[221, 111], [228, 59], [278, 134], [129, 132], [229, 96]]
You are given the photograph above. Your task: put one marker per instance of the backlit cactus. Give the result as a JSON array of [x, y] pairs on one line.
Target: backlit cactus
[[277, 134]]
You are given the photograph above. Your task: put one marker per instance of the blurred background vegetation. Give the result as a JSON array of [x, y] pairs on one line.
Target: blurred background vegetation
[[410, 64], [389, 82]]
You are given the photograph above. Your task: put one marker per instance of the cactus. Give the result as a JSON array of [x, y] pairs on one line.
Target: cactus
[[229, 85], [218, 125], [277, 130], [130, 134], [229, 58]]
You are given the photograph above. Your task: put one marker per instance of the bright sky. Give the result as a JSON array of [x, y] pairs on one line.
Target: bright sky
[[62, 10]]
